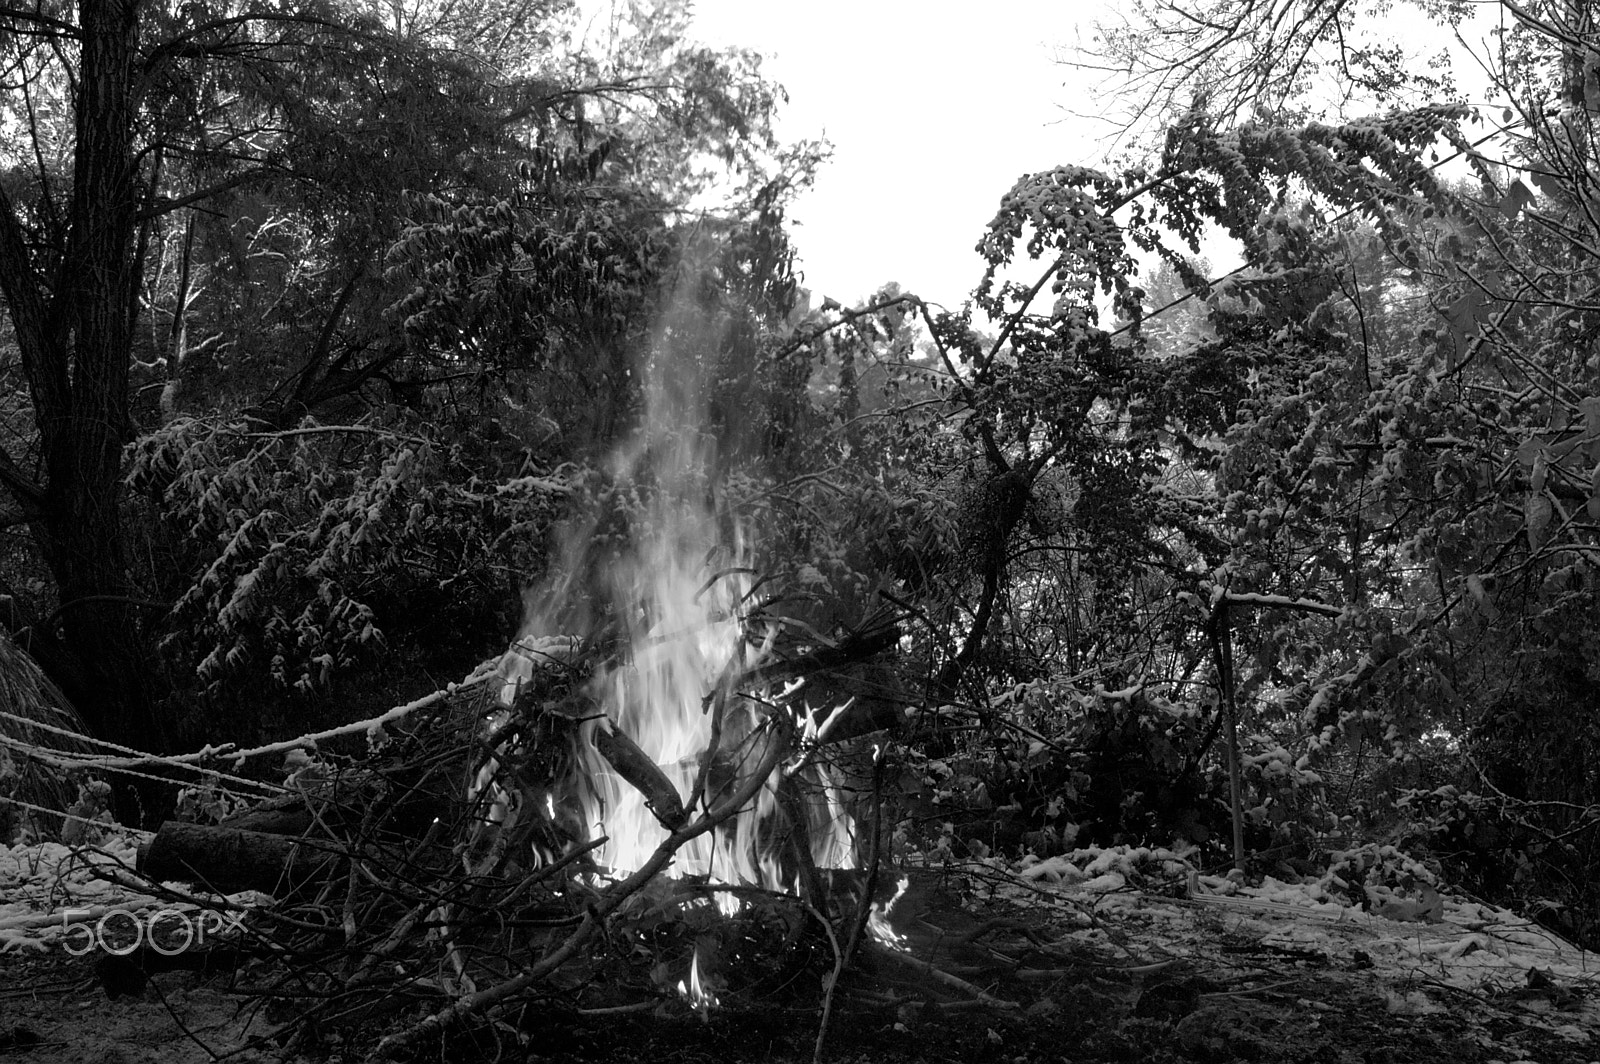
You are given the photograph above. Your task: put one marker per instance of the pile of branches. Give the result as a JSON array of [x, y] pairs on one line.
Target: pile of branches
[[441, 887]]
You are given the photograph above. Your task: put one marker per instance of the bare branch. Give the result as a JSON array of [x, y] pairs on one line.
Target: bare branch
[[188, 44], [46, 24], [166, 205]]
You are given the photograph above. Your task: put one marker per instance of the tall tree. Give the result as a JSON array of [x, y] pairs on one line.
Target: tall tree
[[71, 305]]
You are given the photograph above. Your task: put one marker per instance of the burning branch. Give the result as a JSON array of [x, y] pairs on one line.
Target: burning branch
[[635, 766], [719, 706]]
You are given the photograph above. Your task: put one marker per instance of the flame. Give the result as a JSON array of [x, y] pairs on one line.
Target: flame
[[695, 992], [678, 591], [878, 919], [688, 643], [661, 697]]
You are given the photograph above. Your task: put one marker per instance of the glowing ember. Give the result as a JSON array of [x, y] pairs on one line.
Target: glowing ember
[[878, 919]]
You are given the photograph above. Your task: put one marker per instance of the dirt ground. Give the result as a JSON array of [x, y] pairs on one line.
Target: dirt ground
[[1204, 985]]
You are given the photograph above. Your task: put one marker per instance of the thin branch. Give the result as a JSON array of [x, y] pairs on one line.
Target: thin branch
[[180, 46], [166, 205], [38, 18]]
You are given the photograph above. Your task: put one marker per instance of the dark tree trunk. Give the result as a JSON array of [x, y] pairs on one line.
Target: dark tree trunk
[[74, 332], [83, 530], [1003, 500]]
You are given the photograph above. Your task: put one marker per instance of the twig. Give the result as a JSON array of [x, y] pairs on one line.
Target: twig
[[1004, 924], [1248, 990], [617, 1010], [833, 983], [719, 702], [874, 845], [327, 430], [939, 975], [172, 1014], [958, 1006], [198, 760], [818, 737]]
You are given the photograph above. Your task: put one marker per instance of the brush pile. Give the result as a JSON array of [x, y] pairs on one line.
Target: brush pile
[[480, 861]]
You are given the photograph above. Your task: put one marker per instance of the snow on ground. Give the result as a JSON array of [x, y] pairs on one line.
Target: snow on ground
[[1460, 943], [48, 886], [1420, 944]]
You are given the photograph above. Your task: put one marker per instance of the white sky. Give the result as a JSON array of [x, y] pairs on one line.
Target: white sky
[[934, 110]]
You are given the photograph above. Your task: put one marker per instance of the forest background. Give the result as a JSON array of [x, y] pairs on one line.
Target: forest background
[[322, 322]]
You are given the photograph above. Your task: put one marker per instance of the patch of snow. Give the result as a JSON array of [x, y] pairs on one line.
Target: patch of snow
[[40, 883], [1411, 1003], [1447, 940], [1052, 870], [1104, 883]]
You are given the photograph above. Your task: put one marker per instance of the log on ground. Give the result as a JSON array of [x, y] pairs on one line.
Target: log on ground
[[227, 860]]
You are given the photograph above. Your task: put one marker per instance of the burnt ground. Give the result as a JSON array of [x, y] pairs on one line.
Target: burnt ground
[[991, 981]]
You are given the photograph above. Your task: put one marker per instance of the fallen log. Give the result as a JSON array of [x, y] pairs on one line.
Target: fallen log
[[227, 860], [287, 814]]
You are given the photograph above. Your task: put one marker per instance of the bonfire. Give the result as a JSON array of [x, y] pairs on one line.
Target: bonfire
[[648, 763]]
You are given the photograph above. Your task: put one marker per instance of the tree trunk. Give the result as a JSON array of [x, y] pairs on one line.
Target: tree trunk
[[1002, 502], [83, 451], [74, 333]]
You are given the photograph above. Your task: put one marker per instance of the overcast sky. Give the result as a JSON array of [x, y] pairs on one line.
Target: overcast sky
[[934, 111]]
